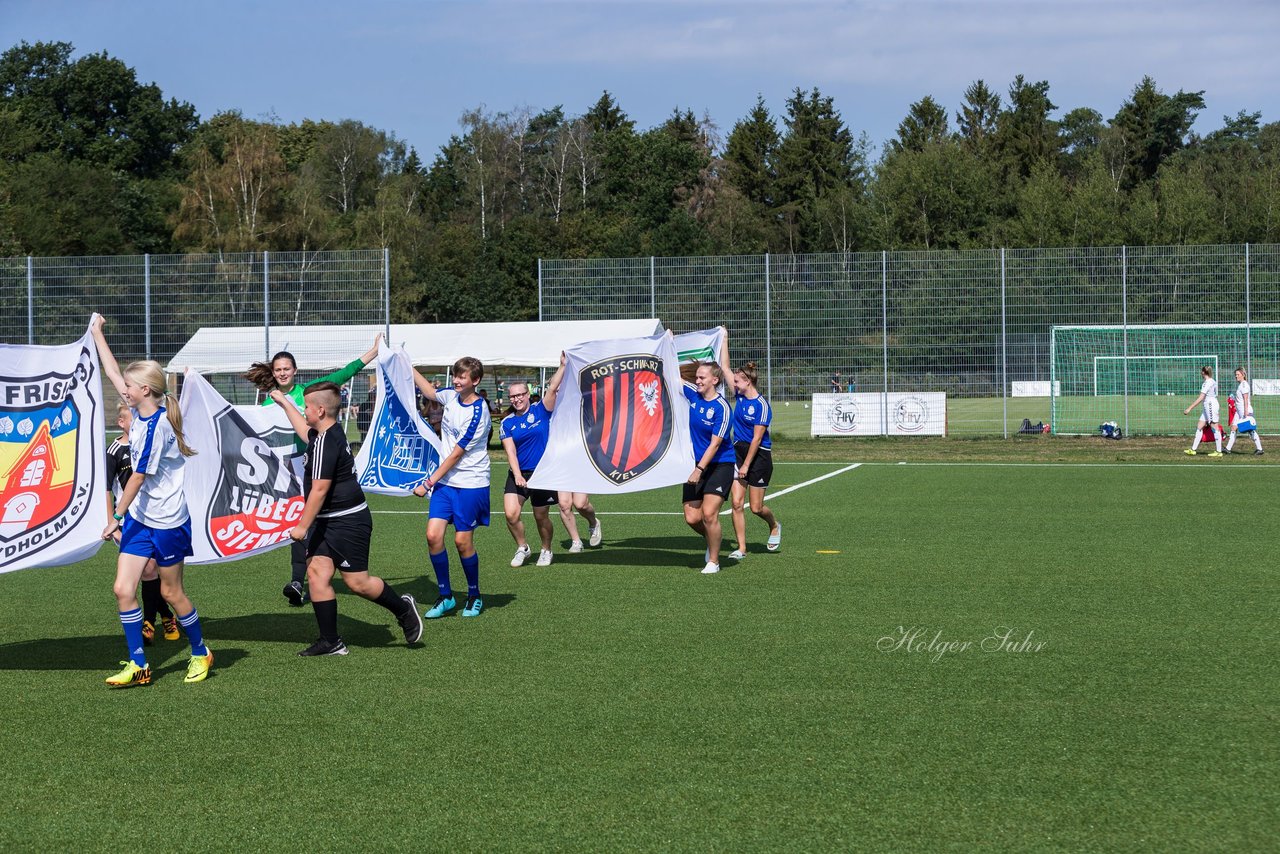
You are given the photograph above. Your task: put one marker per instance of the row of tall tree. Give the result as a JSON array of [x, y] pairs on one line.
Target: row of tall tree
[[94, 162]]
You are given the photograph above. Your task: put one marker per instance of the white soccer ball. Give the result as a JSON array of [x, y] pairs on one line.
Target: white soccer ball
[[788, 403], [806, 406]]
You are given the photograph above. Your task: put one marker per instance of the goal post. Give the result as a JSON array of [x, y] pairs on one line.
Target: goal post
[[1143, 376]]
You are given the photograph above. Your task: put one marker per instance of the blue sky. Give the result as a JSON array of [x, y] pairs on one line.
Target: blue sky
[[412, 68]]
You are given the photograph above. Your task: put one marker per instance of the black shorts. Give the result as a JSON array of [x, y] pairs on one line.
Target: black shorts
[[344, 540], [538, 497], [761, 470], [716, 480]]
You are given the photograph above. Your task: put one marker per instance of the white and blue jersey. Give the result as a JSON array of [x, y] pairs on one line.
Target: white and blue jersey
[[708, 418], [749, 413], [153, 450], [529, 431], [465, 425]]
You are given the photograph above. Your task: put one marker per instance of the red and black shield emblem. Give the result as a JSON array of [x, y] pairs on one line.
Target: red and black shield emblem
[[626, 415]]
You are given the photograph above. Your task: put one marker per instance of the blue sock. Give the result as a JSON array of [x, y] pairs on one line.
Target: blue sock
[[471, 566], [440, 563], [132, 622], [191, 625]]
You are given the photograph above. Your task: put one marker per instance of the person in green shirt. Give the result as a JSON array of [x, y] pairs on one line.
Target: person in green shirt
[[278, 374]]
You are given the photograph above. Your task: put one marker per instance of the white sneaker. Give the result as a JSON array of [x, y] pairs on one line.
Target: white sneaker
[[737, 554], [522, 554], [576, 547], [595, 537], [710, 568], [544, 558]]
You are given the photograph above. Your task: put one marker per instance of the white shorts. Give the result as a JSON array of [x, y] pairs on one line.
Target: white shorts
[[1210, 413]]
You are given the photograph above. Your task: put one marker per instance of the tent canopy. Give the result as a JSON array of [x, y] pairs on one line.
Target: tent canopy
[[230, 349]]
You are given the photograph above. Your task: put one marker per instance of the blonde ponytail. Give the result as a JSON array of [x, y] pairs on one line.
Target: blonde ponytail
[[175, 421]]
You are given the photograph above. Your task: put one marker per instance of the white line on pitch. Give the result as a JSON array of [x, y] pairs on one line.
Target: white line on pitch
[[772, 495], [1117, 465]]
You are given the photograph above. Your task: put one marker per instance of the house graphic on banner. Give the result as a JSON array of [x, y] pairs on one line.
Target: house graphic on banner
[[35, 489]]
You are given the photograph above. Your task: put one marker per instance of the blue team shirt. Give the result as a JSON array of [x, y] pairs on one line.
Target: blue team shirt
[[749, 413], [708, 418], [529, 432]]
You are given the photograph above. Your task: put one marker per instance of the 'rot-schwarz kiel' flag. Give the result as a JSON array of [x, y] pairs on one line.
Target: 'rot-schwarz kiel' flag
[[616, 426]]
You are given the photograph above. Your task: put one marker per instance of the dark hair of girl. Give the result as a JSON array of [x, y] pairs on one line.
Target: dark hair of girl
[[261, 375]]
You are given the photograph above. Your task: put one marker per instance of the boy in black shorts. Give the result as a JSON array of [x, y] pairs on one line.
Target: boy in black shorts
[[338, 520]]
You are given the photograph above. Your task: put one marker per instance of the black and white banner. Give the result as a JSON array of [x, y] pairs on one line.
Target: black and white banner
[[243, 485]]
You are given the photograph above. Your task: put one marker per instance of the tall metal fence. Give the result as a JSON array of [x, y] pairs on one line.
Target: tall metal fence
[[977, 325], [156, 303]]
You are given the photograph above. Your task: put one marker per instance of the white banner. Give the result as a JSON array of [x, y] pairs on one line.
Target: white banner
[[621, 423], [863, 414], [703, 346], [52, 454], [1034, 388], [243, 485], [400, 450]]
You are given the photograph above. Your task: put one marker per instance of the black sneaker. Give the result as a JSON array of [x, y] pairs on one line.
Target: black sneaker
[[295, 594], [1258, 453], [411, 620], [324, 647]]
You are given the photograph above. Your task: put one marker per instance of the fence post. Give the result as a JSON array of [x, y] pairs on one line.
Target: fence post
[[884, 335], [1124, 319], [146, 297], [653, 290], [539, 290], [386, 294], [266, 307], [31, 302], [1004, 347], [768, 332], [1248, 327]]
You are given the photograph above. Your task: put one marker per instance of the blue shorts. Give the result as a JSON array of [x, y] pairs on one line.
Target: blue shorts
[[465, 509], [169, 546]]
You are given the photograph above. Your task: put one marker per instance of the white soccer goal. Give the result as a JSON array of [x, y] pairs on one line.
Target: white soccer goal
[[1143, 376]]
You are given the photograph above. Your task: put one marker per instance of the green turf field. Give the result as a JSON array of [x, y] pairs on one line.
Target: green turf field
[[619, 700]]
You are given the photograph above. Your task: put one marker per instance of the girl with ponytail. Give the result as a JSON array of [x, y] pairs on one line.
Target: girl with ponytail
[[151, 514], [753, 452]]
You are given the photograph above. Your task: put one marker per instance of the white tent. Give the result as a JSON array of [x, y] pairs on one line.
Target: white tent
[[230, 349]]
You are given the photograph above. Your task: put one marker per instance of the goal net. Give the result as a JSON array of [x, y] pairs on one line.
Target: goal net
[[1146, 375]]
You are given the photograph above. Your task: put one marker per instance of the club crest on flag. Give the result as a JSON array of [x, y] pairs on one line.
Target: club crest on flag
[[399, 456], [48, 455], [626, 414], [258, 498]]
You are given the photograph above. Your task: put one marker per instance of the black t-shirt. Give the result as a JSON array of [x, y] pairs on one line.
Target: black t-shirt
[[119, 466], [329, 458]]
